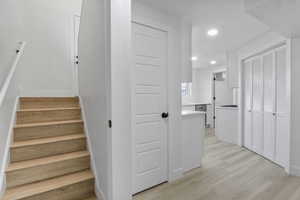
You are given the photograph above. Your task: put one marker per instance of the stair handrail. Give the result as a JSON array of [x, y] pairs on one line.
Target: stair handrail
[[4, 88]]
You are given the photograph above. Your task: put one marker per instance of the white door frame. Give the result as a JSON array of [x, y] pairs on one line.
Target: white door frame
[[252, 55], [213, 93], [133, 113], [73, 56], [173, 174]]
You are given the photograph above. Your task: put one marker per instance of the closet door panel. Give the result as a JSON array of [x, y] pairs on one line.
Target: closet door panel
[[248, 104], [269, 105], [282, 108], [282, 82], [257, 111]]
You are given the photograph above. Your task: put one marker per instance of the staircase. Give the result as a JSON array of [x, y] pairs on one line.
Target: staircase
[[49, 159]]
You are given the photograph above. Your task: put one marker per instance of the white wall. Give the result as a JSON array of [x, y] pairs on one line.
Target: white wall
[[104, 87], [233, 69], [121, 135], [223, 93], [10, 34], [202, 84], [47, 67], [92, 75], [186, 47], [148, 15]]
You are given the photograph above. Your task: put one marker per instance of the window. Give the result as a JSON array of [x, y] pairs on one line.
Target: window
[[186, 89]]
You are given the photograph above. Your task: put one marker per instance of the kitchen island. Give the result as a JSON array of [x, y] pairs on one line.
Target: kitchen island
[[193, 133], [227, 124]]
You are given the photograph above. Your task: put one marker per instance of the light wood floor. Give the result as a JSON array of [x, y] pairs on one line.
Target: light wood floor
[[229, 173]]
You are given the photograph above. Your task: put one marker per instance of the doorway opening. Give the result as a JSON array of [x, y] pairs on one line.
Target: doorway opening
[[222, 95]]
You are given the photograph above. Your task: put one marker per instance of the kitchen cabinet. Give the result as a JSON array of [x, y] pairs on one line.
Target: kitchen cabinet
[[193, 133], [226, 126]]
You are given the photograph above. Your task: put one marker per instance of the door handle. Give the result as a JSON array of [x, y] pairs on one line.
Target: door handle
[[164, 115], [274, 114]]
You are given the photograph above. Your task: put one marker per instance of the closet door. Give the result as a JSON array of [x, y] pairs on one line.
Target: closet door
[[248, 104], [257, 111], [269, 105], [282, 112]]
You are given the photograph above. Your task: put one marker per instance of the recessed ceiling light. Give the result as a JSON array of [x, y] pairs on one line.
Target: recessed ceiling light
[[213, 32], [213, 62], [194, 58]]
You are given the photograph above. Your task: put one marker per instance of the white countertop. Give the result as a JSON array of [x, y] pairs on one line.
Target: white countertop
[[191, 112], [227, 108], [195, 103]]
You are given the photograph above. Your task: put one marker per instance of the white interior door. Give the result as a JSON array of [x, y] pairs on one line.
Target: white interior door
[[282, 112], [269, 105], [248, 105], [149, 101], [257, 111]]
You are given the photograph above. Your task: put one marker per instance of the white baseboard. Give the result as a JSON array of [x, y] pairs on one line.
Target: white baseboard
[[46, 93], [99, 193], [294, 170], [176, 174], [6, 153], [2, 185]]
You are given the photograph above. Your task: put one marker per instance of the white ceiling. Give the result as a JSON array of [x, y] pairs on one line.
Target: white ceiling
[[282, 15], [236, 27]]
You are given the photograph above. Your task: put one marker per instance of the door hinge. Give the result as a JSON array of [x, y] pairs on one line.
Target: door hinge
[[214, 117], [214, 98], [109, 123]]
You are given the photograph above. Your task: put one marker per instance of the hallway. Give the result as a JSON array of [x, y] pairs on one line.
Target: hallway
[[229, 173]]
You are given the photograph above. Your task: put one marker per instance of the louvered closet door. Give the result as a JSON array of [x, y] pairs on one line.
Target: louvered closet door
[[257, 111], [282, 104], [269, 105], [248, 105]]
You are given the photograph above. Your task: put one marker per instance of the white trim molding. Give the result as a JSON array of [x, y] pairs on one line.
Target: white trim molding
[[176, 174], [294, 170], [6, 153], [99, 193]]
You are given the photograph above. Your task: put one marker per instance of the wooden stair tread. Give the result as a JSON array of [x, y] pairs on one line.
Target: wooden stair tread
[[48, 109], [48, 123], [32, 189], [46, 140], [44, 161], [91, 198], [48, 98]]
